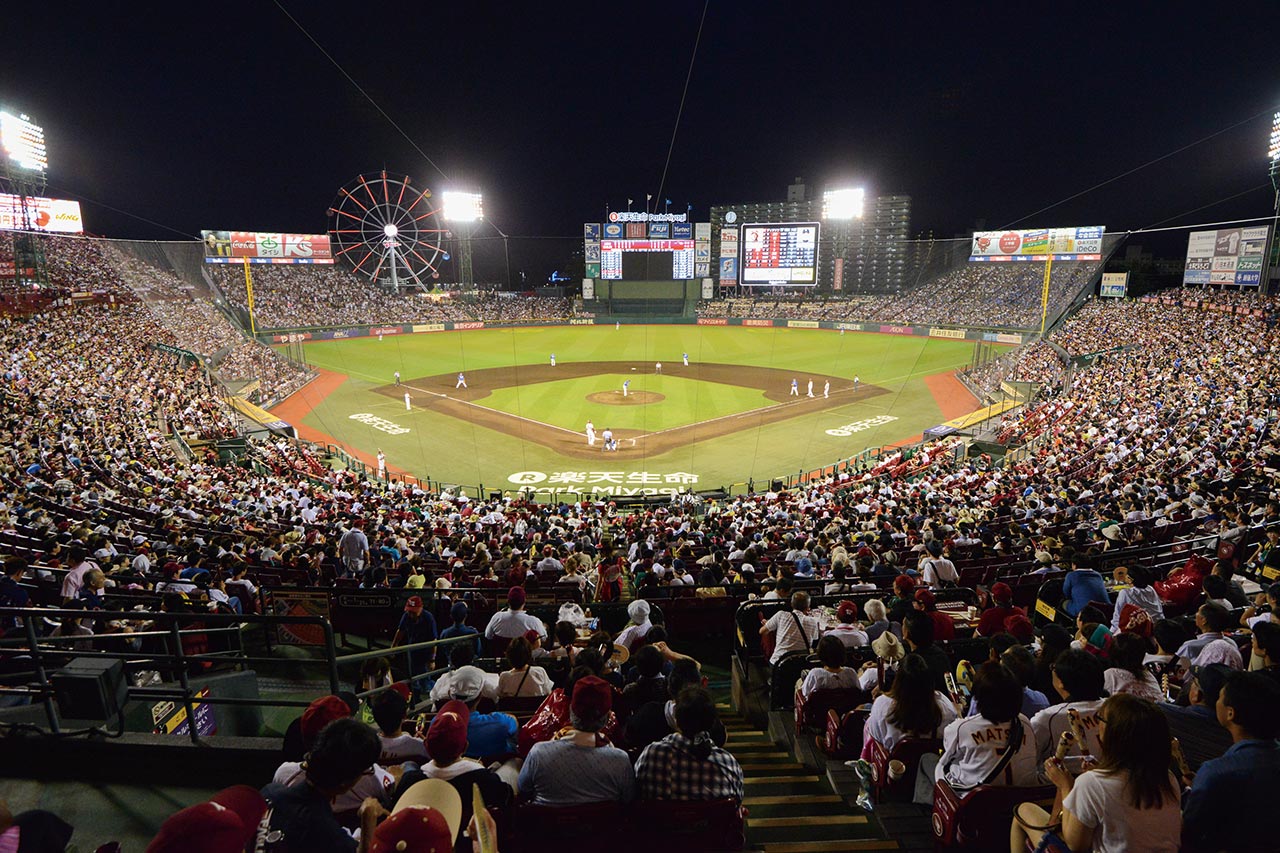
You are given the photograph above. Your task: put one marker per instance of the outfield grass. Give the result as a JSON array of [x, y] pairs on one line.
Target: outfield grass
[[457, 451]]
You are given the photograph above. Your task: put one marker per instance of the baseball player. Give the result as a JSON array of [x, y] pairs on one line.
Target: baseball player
[[826, 388], [397, 375], [856, 382], [617, 325], [625, 387], [810, 387], [591, 434], [795, 387], [462, 381], [608, 439], [382, 465], [408, 407], [686, 359], [553, 359], [657, 368]]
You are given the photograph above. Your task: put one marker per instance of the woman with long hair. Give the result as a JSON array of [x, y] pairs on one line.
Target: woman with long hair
[[1127, 673], [1129, 802], [911, 708], [609, 580]]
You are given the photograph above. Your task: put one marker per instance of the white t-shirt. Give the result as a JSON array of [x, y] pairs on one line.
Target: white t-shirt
[[376, 783], [879, 727], [1119, 680], [823, 679], [972, 747], [787, 635], [851, 636], [938, 570], [397, 750], [1099, 801], [538, 683]]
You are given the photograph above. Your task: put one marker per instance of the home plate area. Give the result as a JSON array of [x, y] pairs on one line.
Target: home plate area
[[439, 394]]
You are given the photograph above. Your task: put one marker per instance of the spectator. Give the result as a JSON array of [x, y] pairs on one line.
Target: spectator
[[579, 768], [1138, 597], [996, 747], [1196, 724], [389, 709], [633, 636], [1078, 679], [1127, 673], [1129, 801], [687, 764], [523, 679], [993, 618], [879, 619], [458, 615], [513, 622], [1210, 646], [416, 626], [917, 633], [374, 783], [833, 674], [911, 708], [650, 684], [1266, 649], [1081, 586], [795, 630], [655, 720], [229, 820], [1228, 806], [488, 735], [944, 627]]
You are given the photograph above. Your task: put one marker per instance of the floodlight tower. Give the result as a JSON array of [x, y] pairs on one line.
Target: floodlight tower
[[25, 164], [463, 209], [841, 207], [1273, 166]]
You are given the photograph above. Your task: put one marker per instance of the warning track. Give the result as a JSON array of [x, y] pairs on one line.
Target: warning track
[[438, 394]]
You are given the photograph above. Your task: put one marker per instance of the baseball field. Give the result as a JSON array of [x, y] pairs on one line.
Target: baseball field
[[728, 416]]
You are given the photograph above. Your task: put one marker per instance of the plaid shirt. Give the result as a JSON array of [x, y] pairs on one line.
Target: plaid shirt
[[668, 770]]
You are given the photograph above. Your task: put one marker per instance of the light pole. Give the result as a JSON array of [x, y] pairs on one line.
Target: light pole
[[841, 206], [464, 208], [1273, 158]]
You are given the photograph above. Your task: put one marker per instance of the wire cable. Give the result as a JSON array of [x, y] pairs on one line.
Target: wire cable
[[680, 112]]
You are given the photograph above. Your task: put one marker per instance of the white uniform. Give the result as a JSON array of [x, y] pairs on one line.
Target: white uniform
[[887, 733], [625, 386], [810, 387], [462, 381], [1050, 723], [657, 368], [591, 434], [826, 388], [608, 438], [407, 406], [553, 359], [397, 377], [686, 359], [382, 465], [971, 749], [617, 325], [856, 382], [795, 388]]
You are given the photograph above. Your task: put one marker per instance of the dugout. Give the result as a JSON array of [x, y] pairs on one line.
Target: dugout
[[645, 298]]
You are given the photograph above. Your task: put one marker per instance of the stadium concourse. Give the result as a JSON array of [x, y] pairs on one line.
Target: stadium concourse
[[1131, 527]]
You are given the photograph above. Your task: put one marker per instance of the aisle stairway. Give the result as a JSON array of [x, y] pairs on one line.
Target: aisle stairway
[[793, 809]]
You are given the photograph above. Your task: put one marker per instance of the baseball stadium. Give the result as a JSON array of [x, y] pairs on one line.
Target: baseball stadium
[[448, 512]]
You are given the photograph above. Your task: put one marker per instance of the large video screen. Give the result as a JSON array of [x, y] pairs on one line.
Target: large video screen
[[782, 253], [1065, 244], [43, 214], [235, 247], [1226, 256], [647, 260]]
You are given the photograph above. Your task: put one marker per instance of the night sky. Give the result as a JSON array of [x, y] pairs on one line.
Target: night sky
[[225, 116]]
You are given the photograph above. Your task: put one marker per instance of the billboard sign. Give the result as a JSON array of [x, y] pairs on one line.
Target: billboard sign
[[1065, 244], [1227, 256], [55, 215], [591, 230], [780, 253], [659, 230], [1114, 285], [613, 231], [233, 247], [682, 230]]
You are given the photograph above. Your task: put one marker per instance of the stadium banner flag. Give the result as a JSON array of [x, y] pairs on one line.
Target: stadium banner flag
[[1066, 244], [222, 247], [56, 215], [708, 287], [592, 252], [837, 276], [636, 230], [802, 324], [427, 327], [591, 231], [613, 231], [946, 333], [260, 415], [1114, 285]]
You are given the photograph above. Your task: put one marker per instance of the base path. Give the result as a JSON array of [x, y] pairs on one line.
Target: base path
[[439, 394]]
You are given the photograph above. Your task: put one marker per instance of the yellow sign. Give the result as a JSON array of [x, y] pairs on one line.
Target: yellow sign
[[1271, 572], [1045, 609], [802, 324], [946, 333], [428, 327]]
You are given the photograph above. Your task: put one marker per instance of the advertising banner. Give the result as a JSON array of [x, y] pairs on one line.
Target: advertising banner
[[385, 330], [56, 215], [296, 602], [593, 270], [681, 230], [591, 231], [636, 230], [470, 324], [946, 333], [589, 288], [701, 269], [170, 718], [759, 323], [1008, 338], [659, 230], [728, 270], [1229, 256], [1065, 244], [802, 324], [613, 231], [1114, 285], [428, 327], [233, 247], [708, 289], [592, 251], [713, 321], [702, 231]]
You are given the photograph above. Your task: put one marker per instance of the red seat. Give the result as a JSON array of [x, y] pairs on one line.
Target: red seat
[[539, 828], [678, 825], [909, 751], [811, 711], [979, 819], [843, 736]]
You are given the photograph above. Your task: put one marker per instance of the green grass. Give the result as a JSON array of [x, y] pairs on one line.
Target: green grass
[[457, 451], [565, 403]]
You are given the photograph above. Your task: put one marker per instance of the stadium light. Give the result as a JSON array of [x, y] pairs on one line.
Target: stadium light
[[1274, 152], [842, 204], [462, 207], [23, 142]]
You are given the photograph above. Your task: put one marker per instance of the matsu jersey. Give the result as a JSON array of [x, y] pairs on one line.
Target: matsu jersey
[[1050, 723], [972, 747]]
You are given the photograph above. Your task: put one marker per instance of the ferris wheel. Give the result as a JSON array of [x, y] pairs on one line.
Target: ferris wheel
[[381, 226]]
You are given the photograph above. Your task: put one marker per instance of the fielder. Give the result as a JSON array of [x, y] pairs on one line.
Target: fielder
[[810, 387], [382, 465], [408, 407], [608, 439], [625, 387], [462, 381], [826, 388], [617, 325], [553, 359], [657, 368], [397, 375], [795, 388], [686, 359], [591, 434], [856, 381]]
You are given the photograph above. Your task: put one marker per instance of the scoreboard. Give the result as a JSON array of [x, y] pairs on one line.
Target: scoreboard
[[644, 259], [780, 253]]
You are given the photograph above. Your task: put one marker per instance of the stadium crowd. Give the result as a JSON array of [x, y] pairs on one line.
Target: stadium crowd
[[1178, 428]]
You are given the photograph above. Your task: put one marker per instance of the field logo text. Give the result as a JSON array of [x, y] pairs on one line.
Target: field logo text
[[859, 426], [380, 423]]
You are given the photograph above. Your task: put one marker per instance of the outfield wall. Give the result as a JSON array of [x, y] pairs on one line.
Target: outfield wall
[[281, 336]]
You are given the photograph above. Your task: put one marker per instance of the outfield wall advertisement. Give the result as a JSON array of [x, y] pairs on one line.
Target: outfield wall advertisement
[[234, 247], [1064, 244], [1114, 285], [1231, 256]]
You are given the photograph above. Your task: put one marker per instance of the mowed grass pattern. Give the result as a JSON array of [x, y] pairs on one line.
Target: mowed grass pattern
[[565, 403], [461, 452]]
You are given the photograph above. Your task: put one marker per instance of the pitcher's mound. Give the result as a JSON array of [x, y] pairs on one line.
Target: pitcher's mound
[[635, 398]]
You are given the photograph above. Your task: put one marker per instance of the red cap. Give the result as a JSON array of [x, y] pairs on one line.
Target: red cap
[[321, 713], [1021, 627], [224, 824], [904, 584], [172, 568], [592, 697], [411, 830], [925, 597], [846, 609], [447, 735], [1001, 591], [532, 636], [414, 604], [402, 687], [515, 596]]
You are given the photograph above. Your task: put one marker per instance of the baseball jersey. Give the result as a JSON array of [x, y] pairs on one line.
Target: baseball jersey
[[1050, 723], [972, 748]]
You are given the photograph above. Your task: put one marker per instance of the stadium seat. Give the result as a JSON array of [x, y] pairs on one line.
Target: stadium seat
[[540, 828], [842, 738], [909, 751], [979, 819], [675, 825], [811, 711]]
